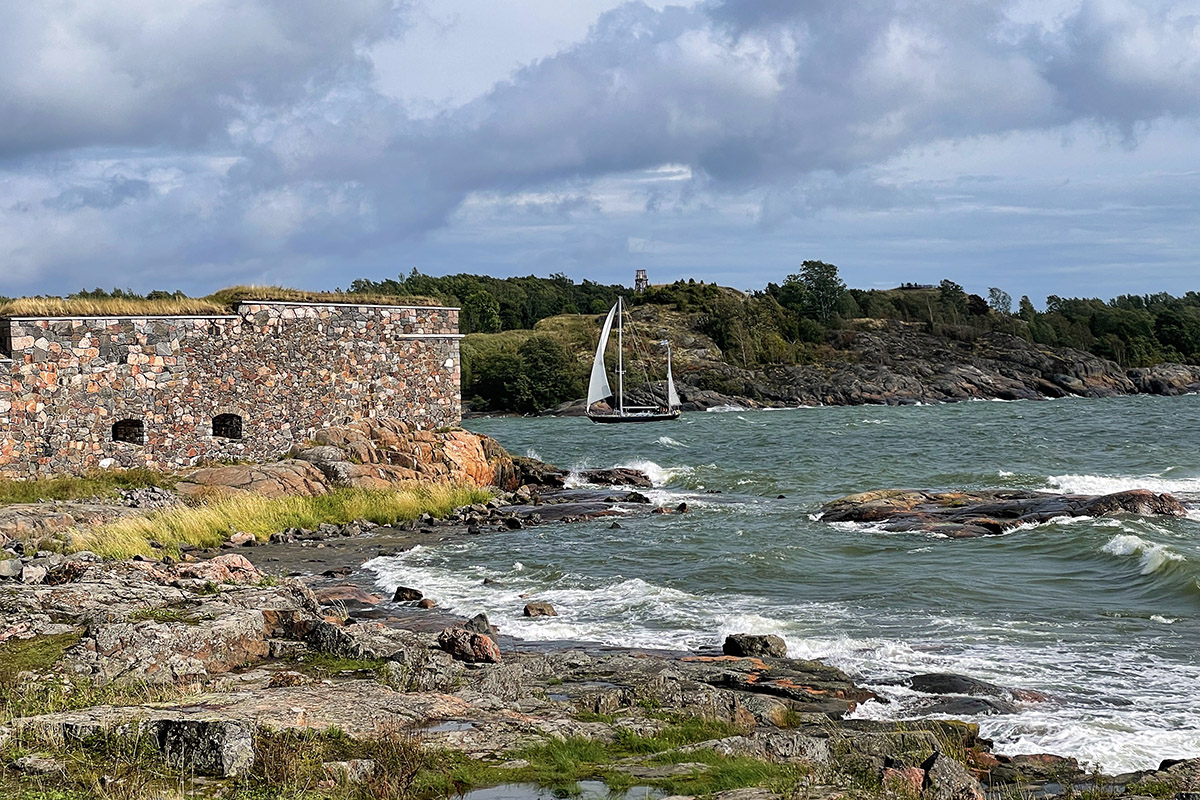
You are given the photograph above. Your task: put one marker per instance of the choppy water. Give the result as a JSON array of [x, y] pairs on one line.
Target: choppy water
[[1103, 614]]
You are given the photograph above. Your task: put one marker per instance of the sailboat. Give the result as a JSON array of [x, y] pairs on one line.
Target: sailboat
[[598, 388]]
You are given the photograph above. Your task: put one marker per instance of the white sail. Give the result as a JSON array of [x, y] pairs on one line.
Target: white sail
[[672, 397], [598, 387]]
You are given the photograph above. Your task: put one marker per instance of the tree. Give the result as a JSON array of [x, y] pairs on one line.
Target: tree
[[816, 291], [952, 297], [550, 372], [480, 313], [1026, 311], [999, 301]]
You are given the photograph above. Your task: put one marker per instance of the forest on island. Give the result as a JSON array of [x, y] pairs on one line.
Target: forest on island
[[511, 367]]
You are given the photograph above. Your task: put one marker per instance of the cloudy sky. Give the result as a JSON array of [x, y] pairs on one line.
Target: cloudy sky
[[1043, 146]]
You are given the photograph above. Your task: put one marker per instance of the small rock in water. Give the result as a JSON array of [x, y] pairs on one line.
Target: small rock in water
[[747, 645], [427, 603], [616, 526], [404, 594], [491, 582], [540, 609]]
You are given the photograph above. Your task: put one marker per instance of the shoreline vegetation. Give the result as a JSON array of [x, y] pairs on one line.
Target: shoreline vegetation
[[211, 522]]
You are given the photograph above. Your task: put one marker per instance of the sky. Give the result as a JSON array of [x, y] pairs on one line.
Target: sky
[[1048, 147]]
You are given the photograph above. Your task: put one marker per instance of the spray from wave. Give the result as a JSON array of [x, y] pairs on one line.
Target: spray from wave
[[1154, 557]]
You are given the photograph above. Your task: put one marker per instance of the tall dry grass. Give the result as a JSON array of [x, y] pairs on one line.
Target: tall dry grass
[[110, 307], [228, 296], [211, 523], [218, 303]]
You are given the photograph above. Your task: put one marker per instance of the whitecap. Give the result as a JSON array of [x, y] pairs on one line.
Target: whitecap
[[724, 409], [1153, 556], [1108, 484], [667, 441]]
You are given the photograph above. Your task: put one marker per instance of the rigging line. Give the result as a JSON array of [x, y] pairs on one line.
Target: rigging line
[[642, 358]]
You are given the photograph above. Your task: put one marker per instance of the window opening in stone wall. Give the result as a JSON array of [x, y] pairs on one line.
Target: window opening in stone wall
[[129, 430], [227, 426]]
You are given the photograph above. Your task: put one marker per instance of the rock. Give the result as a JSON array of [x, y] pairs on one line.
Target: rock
[[745, 645], [403, 594], [618, 476], [33, 574], [426, 603], [39, 764], [987, 512], [10, 568], [469, 646], [947, 683], [287, 478], [220, 747], [479, 624], [352, 772], [243, 539], [946, 779], [539, 609], [968, 706], [228, 568], [347, 594]]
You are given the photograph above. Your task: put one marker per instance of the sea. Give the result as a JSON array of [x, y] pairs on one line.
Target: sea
[[1100, 614]]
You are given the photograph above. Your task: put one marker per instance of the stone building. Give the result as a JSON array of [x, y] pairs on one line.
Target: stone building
[[171, 391]]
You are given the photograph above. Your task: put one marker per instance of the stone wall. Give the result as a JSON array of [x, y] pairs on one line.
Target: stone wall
[[281, 370]]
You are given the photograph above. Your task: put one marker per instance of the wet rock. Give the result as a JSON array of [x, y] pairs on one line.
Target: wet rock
[[947, 683], [469, 646], [539, 609], [479, 624], [987, 512], [618, 476], [349, 595], [749, 645], [426, 603], [968, 706], [403, 594]]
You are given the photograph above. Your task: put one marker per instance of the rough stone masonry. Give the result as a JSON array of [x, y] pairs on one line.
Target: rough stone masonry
[[163, 392]]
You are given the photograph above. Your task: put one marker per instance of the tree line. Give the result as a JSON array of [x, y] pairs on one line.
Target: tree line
[[797, 320]]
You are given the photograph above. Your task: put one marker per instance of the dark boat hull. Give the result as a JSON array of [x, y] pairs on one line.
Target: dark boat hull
[[614, 418]]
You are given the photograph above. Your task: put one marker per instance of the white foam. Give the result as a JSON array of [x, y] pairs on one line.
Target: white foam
[[667, 441], [1153, 556], [1159, 618], [1108, 484], [531, 453], [724, 409]]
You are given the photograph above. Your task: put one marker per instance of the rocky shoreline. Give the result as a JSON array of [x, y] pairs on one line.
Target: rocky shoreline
[[218, 658], [898, 363]]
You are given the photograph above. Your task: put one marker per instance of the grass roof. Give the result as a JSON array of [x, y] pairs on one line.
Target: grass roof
[[109, 307], [216, 304]]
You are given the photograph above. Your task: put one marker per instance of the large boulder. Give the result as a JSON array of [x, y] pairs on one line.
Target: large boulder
[[469, 646], [229, 568], [746, 645], [288, 478]]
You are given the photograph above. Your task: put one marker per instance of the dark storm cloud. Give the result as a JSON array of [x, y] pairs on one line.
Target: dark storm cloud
[[287, 153]]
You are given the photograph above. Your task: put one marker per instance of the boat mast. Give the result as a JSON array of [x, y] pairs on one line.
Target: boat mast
[[620, 359]]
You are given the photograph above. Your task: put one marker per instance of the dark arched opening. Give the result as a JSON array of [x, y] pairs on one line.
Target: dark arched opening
[[129, 430], [227, 426]]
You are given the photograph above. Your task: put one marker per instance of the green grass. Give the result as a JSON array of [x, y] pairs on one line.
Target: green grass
[[322, 665], [97, 484], [33, 655], [164, 614], [211, 523]]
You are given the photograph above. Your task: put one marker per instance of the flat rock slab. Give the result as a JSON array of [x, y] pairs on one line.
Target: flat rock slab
[[988, 512]]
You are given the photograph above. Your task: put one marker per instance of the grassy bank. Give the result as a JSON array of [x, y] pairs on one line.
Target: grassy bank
[[210, 524], [99, 484]]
